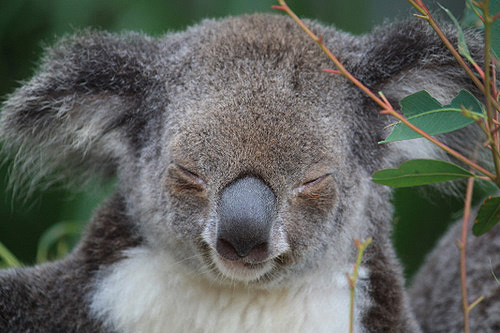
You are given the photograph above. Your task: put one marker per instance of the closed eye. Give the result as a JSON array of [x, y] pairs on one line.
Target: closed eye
[[318, 193], [312, 185], [182, 178]]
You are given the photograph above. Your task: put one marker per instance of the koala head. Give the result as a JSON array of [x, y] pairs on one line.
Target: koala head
[[236, 154]]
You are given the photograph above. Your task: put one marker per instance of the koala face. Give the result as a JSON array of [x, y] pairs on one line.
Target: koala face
[[236, 154], [247, 185], [248, 195]]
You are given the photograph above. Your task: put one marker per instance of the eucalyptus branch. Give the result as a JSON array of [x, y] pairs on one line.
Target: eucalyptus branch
[[353, 279], [490, 128], [462, 245]]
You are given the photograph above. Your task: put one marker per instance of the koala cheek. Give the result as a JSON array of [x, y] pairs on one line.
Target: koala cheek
[[308, 226], [187, 216]]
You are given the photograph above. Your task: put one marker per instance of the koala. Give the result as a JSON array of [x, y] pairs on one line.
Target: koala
[[435, 290], [244, 176]]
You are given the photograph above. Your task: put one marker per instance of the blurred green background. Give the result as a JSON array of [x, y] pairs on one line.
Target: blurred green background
[[26, 25]]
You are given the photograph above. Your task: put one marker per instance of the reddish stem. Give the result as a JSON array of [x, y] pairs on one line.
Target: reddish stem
[[333, 71], [463, 253], [278, 7], [495, 96]]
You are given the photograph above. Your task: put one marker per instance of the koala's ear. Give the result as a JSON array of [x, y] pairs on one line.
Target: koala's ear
[[406, 57], [80, 112]]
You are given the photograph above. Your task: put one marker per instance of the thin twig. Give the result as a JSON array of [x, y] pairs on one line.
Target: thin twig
[[353, 279], [462, 245], [476, 302], [490, 139]]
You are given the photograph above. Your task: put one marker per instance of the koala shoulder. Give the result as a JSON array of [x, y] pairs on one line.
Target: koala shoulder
[[435, 290]]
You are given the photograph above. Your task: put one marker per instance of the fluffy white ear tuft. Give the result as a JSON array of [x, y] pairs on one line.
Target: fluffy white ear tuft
[[78, 114]]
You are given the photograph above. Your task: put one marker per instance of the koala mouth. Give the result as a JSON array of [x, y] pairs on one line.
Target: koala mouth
[[242, 270]]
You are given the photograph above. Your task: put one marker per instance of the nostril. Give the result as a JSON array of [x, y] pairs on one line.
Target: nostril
[[227, 251], [258, 253]]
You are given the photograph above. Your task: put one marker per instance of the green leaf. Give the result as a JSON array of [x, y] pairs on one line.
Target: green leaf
[[495, 277], [420, 172], [463, 49], [53, 237], [424, 111], [487, 217], [471, 17], [493, 9], [7, 256]]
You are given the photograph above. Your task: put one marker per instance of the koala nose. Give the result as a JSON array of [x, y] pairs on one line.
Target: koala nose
[[246, 213]]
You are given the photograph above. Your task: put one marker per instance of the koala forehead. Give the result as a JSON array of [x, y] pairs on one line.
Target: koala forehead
[[256, 135]]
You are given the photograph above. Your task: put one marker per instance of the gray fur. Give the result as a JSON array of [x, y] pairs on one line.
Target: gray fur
[[181, 117], [436, 289], [53, 297]]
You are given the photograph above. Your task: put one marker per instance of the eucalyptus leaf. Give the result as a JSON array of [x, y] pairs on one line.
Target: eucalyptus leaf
[[420, 172], [487, 217], [425, 112], [472, 14], [463, 49]]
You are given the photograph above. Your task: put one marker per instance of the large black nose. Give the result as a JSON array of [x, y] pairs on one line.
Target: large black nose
[[246, 213]]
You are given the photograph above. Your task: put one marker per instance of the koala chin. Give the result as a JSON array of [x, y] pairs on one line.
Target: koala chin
[[243, 176]]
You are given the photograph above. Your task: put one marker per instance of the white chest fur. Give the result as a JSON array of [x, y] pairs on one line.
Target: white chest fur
[[147, 293]]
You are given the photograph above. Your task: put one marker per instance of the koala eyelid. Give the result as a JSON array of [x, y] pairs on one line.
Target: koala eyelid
[[189, 175], [311, 184]]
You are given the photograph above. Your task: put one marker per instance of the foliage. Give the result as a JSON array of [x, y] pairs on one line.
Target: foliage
[[59, 238], [488, 216], [425, 112], [54, 243], [494, 9], [420, 172]]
